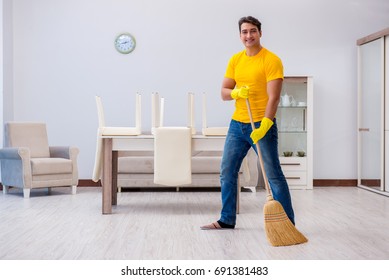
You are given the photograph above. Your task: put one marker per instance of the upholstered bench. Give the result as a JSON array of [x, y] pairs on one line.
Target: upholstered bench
[[136, 170]]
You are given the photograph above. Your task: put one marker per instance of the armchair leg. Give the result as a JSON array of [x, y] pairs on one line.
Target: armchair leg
[[5, 189], [74, 189], [26, 193]]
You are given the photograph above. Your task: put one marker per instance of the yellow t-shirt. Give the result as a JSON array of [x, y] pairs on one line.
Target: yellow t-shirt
[[254, 72]]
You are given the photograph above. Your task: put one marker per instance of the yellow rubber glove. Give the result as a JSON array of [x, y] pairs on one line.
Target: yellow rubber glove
[[242, 92], [260, 132]]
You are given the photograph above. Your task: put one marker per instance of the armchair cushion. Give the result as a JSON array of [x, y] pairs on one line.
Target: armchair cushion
[[45, 166], [36, 142], [137, 164], [206, 164]]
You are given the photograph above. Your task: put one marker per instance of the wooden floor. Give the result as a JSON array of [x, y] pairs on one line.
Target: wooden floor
[[341, 224]]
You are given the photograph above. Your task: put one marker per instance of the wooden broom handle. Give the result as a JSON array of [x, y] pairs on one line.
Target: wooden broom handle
[[258, 150]]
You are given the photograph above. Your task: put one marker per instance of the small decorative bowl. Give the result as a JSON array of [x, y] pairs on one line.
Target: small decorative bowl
[[288, 154], [301, 153]]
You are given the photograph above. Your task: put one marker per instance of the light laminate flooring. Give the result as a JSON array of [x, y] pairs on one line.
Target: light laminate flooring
[[341, 224]]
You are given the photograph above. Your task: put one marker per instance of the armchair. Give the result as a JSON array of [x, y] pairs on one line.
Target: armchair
[[28, 162]]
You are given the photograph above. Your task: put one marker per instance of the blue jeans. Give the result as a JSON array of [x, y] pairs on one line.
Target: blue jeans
[[237, 144]]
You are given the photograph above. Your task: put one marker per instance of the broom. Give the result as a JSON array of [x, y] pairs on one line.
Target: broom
[[280, 231]]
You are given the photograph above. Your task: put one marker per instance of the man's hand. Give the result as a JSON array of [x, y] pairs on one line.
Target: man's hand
[[260, 132], [242, 92]]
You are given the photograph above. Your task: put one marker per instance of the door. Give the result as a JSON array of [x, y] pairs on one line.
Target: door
[[386, 89], [371, 114]]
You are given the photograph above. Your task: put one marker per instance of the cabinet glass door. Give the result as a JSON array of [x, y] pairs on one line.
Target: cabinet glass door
[[370, 122], [292, 118]]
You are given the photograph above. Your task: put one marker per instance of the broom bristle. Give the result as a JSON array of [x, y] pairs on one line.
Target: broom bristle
[[280, 231]]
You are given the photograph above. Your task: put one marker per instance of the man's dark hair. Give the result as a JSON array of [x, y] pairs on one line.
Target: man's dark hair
[[251, 20]]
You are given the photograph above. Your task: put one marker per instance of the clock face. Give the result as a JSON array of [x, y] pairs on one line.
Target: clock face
[[125, 43]]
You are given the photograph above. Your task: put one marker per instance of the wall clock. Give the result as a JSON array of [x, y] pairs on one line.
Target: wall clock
[[125, 43]]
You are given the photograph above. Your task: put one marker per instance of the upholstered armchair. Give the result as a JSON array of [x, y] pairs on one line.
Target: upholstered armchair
[[28, 162]]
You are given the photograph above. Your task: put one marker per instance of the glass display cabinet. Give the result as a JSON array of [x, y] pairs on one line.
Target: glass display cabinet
[[294, 121]]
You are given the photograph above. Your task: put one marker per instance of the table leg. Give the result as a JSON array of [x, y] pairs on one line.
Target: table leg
[[114, 177], [107, 176]]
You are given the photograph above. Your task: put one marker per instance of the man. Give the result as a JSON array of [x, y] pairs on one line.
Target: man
[[257, 74]]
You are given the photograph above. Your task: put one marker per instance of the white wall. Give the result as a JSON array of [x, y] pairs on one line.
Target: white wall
[[8, 60], [63, 55], [6, 68]]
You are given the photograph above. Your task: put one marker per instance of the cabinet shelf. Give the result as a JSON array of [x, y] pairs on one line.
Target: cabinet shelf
[[292, 131], [292, 157], [292, 107]]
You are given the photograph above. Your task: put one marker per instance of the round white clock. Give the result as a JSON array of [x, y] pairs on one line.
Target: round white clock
[[125, 43]]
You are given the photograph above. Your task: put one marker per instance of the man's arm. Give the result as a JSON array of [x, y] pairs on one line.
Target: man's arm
[[274, 92], [227, 86]]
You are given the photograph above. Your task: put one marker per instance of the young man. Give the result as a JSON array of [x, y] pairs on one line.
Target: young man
[[257, 74]]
